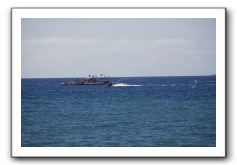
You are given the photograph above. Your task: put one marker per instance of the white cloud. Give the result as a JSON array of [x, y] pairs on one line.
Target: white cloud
[[60, 57]]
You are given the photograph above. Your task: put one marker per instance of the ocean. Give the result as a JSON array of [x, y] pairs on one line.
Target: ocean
[[137, 112]]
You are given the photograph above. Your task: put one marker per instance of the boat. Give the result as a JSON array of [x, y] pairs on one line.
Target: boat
[[92, 80]]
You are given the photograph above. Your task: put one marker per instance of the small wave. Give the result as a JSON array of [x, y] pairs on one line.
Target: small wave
[[210, 84], [167, 85], [125, 85], [163, 85]]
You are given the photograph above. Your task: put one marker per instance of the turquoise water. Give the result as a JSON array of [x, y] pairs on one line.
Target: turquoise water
[[140, 111]]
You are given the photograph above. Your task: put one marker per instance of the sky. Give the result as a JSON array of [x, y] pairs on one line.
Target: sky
[[117, 47]]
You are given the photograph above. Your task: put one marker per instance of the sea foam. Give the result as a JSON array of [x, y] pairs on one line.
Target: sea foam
[[125, 85]]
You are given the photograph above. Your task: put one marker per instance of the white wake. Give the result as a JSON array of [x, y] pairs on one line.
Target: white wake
[[125, 85]]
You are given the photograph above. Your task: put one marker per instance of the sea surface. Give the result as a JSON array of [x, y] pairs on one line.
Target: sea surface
[[137, 112]]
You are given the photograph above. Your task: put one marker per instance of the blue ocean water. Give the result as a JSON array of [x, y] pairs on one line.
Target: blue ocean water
[[140, 111]]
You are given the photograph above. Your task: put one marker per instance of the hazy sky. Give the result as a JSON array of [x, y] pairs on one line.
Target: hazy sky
[[118, 47]]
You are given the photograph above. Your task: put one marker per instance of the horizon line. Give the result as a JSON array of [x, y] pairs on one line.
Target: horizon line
[[120, 76]]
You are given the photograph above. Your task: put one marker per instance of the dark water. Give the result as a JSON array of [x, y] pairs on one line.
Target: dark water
[[162, 112]]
